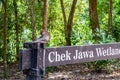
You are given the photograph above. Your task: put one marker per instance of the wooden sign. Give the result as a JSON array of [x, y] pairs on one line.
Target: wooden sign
[[36, 57], [69, 54], [79, 54]]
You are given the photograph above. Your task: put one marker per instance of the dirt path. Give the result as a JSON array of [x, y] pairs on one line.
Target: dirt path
[[63, 74]]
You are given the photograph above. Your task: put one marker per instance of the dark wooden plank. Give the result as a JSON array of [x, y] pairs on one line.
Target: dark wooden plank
[[34, 45], [30, 45], [71, 54], [25, 59], [79, 54]]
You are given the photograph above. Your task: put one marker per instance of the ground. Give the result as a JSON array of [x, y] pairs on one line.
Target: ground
[[67, 72]]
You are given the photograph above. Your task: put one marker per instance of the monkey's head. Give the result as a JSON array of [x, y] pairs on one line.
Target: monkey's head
[[43, 32]]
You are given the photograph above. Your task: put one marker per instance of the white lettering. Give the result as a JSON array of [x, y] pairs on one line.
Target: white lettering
[[55, 56], [81, 55], [107, 52], [68, 55], [51, 57], [62, 57]]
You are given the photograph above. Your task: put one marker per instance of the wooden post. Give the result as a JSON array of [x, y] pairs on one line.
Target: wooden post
[[32, 60]]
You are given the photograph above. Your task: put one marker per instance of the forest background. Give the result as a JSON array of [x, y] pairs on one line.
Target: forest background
[[77, 22]]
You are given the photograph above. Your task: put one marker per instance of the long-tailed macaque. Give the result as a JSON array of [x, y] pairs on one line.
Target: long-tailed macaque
[[45, 36]]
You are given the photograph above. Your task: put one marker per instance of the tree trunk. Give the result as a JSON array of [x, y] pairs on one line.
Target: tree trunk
[[64, 17], [94, 23], [33, 20], [45, 14], [5, 38], [68, 24], [16, 29], [110, 16]]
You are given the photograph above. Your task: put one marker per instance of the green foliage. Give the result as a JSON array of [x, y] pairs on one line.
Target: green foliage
[[116, 27], [49, 69]]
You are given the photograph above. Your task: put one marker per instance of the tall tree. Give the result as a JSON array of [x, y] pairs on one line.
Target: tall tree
[[5, 38], [33, 20], [45, 14], [68, 23], [110, 16], [16, 28], [94, 23]]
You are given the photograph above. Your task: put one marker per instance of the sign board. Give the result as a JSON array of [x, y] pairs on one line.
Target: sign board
[[78, 54], [69, 54], [36, 57]]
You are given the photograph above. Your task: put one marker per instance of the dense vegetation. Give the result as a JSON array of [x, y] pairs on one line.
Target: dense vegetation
[[18, 17]]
